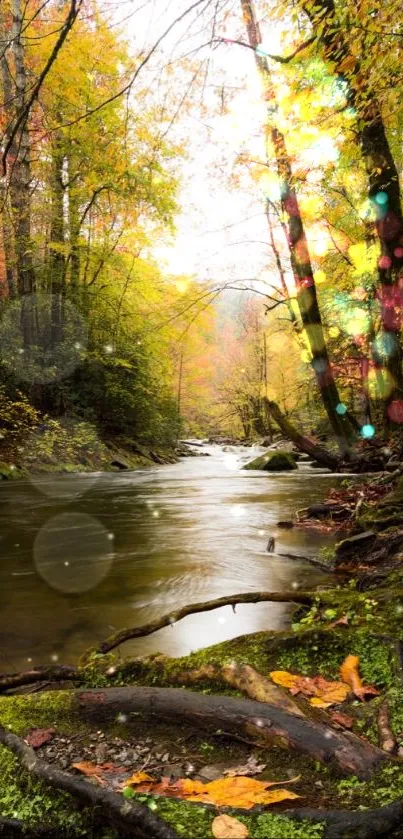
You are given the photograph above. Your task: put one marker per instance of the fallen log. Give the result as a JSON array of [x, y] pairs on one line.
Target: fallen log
[[304, 444], [118, 812], [305, 598], [349, 753]]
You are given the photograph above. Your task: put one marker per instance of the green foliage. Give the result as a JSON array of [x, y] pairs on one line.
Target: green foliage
[[17, 419]]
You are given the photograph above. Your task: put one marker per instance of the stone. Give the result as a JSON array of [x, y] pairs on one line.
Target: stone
[[354, 543], [278, 461]]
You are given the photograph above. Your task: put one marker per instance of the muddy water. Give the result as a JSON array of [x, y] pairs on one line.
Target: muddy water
[[83, 555]]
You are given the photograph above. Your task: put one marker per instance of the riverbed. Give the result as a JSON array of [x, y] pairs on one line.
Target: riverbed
[[85, 555]]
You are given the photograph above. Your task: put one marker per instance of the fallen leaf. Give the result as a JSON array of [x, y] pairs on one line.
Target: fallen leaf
[[326, 693], [226, 827], [39, 736], [349, 673], [241, 792], [238, 791], [340, 622], [97, 770], [342, 719], [138, 778]]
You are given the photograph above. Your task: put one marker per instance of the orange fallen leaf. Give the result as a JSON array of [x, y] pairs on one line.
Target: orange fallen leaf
[[349, 673], [226, 827], [325, 693], [95, 770], [237, 791], [242, 792], [340, 622], [138, 778]]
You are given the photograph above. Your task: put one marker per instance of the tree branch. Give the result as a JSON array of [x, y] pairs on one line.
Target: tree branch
[[303, 597], [22, 118], [279, 58]]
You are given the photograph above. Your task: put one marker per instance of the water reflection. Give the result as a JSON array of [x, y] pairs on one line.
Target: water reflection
[[181, 533]]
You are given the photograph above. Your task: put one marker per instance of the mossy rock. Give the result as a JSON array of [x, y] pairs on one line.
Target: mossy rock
[[278, 461]]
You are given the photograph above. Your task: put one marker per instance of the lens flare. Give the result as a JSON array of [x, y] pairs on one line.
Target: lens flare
[[380, 384], [395, 411], [367, 431], [341, 409]]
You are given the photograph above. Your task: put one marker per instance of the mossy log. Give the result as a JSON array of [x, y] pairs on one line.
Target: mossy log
[[350, 754]]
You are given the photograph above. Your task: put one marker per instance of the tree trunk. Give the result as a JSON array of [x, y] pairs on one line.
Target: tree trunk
[[255, 719], [305, 284], [303, 443], [19, 166], [57, 241], [7, 226], [383, 177]]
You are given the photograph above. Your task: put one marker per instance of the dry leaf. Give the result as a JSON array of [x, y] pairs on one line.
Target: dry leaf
[[349, 673], [226, 827], [97, 770], [39, 736], [340, 622], [326, 693], [238, 791], [342, 719], [241, 792], [138, 778]]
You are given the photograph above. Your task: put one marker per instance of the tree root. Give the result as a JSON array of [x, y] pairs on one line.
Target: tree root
[[119, 813], [300, 597], [349, 753], [55, 673]]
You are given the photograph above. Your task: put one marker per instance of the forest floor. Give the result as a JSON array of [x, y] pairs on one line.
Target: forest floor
[[127, 727]]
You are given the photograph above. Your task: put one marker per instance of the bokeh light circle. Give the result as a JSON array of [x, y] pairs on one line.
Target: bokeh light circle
[[380, 384], [73, 552], [367, 431], [395, 411], [41, 363], [381, 198], [341, 409]]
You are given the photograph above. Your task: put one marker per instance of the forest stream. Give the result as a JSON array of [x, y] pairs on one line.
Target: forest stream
[[85, 554]]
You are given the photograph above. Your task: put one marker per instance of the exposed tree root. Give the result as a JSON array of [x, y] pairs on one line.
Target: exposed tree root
[[301, 597], [15, 827], [119, 813], [360, 824], [350, 754], [244, 678], [55, 673]]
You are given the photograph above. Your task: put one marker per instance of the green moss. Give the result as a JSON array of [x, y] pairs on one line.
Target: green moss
[[20, 713], [193, 822]]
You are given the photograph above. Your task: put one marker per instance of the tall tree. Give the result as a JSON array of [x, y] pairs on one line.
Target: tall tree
[[306, 290]]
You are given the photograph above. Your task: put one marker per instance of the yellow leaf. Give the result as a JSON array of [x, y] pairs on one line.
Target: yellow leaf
[[283, 678], [319, 703], [138, 778], [226, 827], [240, 791]]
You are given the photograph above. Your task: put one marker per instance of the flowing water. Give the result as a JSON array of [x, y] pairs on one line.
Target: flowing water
[[84, 555]]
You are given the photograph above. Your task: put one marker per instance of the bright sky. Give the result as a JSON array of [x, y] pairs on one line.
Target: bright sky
[[222, 230]]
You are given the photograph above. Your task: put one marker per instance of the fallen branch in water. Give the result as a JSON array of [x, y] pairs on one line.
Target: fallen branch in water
[[259, 720], [304, 598], [120, 813]]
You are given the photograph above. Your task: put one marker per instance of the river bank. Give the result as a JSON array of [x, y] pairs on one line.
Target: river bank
[[355, 616]]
